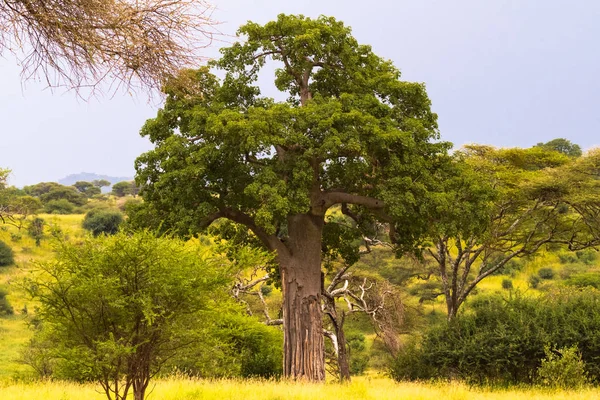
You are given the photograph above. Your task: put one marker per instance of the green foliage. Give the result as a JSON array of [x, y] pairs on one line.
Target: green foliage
[[68, 193], [359, 357], [562, 369], [7, 256], [352, 122], [35, 229], [60, 206], [586, 279], [124, 188], [410, 364], [563, 146], [587, 257], [502, 340], [507, 284], [534, 281], [102, 221], [546, 273], [134, 301], [236, 346], [5, 307], [567, 258], [89, 189]]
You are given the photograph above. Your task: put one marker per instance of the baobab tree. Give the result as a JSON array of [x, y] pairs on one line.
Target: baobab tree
[[351, 133]]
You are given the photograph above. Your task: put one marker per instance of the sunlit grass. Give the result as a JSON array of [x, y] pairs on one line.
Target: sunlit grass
[[359, 389]]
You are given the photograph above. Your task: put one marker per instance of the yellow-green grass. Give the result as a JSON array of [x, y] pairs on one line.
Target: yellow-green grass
[[359, 389]]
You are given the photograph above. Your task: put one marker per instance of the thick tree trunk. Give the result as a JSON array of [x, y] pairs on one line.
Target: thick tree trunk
[[304, 356]]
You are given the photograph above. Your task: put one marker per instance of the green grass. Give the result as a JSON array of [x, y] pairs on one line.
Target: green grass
[[359, 389]]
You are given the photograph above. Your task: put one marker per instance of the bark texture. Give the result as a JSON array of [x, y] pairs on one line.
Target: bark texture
[[301, 279]]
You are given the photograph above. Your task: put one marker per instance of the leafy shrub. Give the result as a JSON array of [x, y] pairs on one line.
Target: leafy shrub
[[562, 369], [587, 279], [5, 307], [7, 256], [359, 358], [410, 364], [266, 290], [102, 221], [587, 257], [507, 284], [510, 268], [567, 258], [36, 230], [502, 340], [236, 346], [60, 206], [16, 237], [534, 281], [546, 273]]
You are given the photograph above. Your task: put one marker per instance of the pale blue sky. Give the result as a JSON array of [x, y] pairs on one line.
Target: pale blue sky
[[507, 73]]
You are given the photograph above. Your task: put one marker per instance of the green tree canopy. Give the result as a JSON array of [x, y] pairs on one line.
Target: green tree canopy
[[117, 308], [563, 146], [498, 204], [351, 133]]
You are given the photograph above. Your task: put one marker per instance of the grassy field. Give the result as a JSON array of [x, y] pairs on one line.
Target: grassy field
[[359, 389]]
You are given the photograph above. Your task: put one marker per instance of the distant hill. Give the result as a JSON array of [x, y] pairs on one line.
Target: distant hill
[[89, 177]]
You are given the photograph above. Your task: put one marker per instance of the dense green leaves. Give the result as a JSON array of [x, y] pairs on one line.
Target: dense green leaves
[[118, 307], [349, 124]]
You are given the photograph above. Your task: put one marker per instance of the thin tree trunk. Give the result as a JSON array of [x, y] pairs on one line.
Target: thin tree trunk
[[343, 359], [302, 315]]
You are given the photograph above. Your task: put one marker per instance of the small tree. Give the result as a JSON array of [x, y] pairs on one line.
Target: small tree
[[102, 221], [117, 308], [36, 230], [122, 188], [100, 183], [87, 188]]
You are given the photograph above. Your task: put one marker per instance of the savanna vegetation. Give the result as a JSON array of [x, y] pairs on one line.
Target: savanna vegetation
[[329, 236]]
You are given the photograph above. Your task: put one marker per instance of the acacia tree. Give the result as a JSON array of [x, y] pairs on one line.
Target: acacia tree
[[117, 308], [351, 133], [123, 42], [496, 205]]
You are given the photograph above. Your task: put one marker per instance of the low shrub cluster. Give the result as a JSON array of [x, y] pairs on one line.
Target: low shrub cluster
[[504, 340]]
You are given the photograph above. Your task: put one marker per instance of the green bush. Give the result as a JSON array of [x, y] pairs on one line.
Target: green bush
[[236, 346], [102, 222], [546, 273], [7, 256], [567, 258], [35, 228], [60, 206], [502, 340], [507, 284], [587, 257], [534, 281], [587, 279], [359, 358], [5, 307], [562, 369], [410, 364]]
